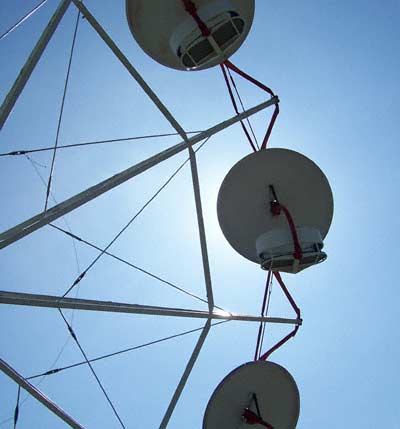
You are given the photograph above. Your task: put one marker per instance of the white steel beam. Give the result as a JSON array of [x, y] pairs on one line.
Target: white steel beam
[[36, 222], [185, 375], [202, 230], [50, 301], [31, 62], [36, 393]]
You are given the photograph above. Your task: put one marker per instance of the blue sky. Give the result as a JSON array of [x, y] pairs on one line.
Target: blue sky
[[335, 67]]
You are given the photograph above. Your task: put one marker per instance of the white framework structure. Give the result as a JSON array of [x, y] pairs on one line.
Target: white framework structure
[[44, 218]]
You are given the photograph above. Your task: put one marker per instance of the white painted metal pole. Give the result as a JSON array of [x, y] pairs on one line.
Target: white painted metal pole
[[50, 301], [185, 375], [202, 231], [36, 393], [36, 222], [31, 62]]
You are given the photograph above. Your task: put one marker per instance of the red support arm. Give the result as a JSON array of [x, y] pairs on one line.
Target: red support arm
[[280, 343]]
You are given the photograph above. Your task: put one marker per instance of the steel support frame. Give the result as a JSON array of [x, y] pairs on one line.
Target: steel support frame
[[36, 393], [55, 212], [48, 301]]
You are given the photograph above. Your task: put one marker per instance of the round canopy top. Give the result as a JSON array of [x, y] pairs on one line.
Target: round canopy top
[[266, 384], [244, 197], [155, 24]]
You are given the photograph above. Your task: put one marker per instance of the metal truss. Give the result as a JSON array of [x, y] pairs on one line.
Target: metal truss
[[27, 227]]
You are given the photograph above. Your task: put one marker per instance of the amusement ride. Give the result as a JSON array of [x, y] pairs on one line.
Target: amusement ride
[[274, 206]]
